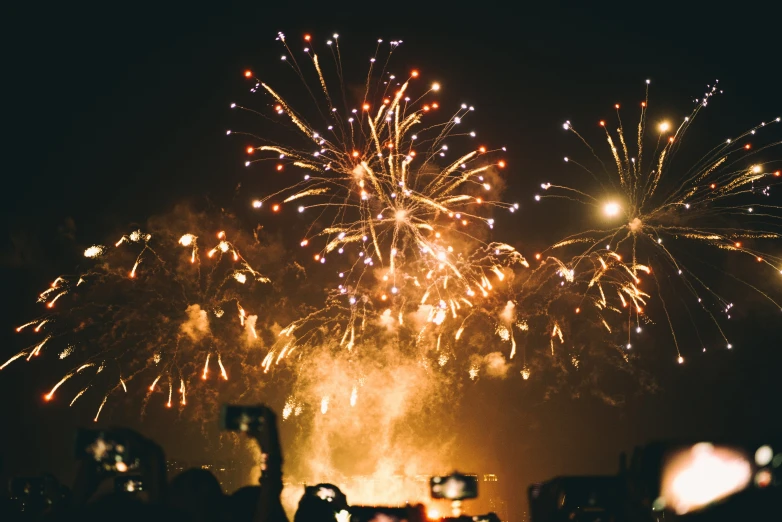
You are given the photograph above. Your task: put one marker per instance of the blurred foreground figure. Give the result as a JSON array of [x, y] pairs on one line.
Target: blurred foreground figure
[[672, 481], [321, 503], [260, 423], [197, 494]]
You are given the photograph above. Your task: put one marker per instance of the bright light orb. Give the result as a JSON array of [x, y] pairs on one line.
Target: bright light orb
[[664, 126], [612, 209]]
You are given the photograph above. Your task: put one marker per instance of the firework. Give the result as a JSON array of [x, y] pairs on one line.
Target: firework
[[154, 312], [661, 230], [398, 203]]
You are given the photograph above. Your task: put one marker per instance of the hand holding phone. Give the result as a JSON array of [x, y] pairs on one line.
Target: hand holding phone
[[260, 423]]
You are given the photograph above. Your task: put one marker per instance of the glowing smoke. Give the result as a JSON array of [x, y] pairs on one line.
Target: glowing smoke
[[197, 325]]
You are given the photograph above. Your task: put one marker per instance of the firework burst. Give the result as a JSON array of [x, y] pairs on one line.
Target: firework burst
[[398, 204], [662, 227], [156, 311]]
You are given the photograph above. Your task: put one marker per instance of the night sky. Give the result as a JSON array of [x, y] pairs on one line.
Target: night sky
[[114, 113]]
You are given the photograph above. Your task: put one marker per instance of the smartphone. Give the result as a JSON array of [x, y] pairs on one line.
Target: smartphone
[[128, 484], [108, 450], [26, 487], [242, 418], [387, 514], [578, 498], [454, 487]]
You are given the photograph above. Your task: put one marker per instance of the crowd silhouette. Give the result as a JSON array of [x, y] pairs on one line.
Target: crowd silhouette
[[121, 476], [99, 493]]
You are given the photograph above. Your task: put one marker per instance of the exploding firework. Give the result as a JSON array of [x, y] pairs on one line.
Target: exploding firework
[[662, 230], [156, 311], [399, 204], [393, 205]]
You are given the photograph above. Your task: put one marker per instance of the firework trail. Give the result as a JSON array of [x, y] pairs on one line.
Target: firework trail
[[155, 312], [663, 230]]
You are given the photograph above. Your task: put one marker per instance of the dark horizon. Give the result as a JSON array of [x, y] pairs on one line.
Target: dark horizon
[[119, 116]]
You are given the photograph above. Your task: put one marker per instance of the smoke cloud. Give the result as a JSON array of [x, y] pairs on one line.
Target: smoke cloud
[[196, 327]]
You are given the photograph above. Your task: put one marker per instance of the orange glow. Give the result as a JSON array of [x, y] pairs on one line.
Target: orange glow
[[602, 123], [279, 167], [482, 149], [616, 106], [355, 154], [747, 146], [479, 200], [738, 244], [307, 38], [426, 108], [248, 73], [390, 145], [578, 310], [760, 259], [501, 164], [317, 257], [778, 173], [250, 150], [435, 105], [713, 186], [51, 305], [643, 104], [278, 107], [670, 140], [275, 208], [537, 256], [221, 234], [464, 221], [384, 297], [132, 274], [386, 101], [366, 107], [412, 153], [47, 397], [414, 74]]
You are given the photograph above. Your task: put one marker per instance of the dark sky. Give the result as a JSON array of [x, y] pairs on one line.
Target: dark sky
[[116, 111]]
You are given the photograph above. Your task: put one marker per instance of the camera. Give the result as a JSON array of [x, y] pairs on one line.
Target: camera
[[242, 418], [109, 450], [455, 487]]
